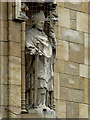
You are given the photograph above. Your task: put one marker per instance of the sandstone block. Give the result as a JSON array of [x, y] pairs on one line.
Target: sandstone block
[[23, 41], [60, 109], [4, 95], [62, 50], [71, 81], [15, 49], [72, 36], [72, 14], [23, 58], [14, 70], [86, 85], [23, 26], [16, 110], [83, 70], [76, 53], [4, 69], [71, 94], [67, 67], [64, 17], [10, 10], [73, 24], [86, 49], [3, 25], [15, 95], [72, 110], [60, 4], [83, 111], [82, 22], [15, 31], [85, 7], [73, 5], [3, 11], [4, 48], [57, 85]]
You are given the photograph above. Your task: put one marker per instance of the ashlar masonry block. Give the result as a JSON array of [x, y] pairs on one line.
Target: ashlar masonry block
[[83, 111], [15, 49], [62, 50], [71, 94], [72, 36], [64, 17], [82, 22], [57, 86], [67, 67], [84, 70], [72, 110], [15, 31], [15, 95], [76, 53], [14, 70], [71, 81], [60, 109]]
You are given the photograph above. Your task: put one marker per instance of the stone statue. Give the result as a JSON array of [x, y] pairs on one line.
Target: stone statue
[[39, 66]]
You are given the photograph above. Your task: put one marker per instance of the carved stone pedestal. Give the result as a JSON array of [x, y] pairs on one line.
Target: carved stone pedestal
[[40, 112], [43, 112]]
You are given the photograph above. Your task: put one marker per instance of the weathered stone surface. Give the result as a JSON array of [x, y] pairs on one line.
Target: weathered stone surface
[[76, 53], [67, 67], [60, 3], [73, 24], [64, 17], [57, 31], [23, 58], [15, 49], [4, 69], [71, 81], [57, 85], [71, 94], [14, 70], [4, 48], [60, 109], [86, 97], [15, 95], [3, 25], [10, 11], [23, 41], [3, 11], [82, 22], [86, 49], [16, 110], [3, 112], [83, 70], [83, 111], [72, 14], [72, 110], [73, 5], [23, 27], [85, 7], [14, 31], [3, 94], [62, 51], [72, 36]]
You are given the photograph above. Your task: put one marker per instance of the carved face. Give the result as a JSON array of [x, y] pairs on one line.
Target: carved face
[[40, 25]]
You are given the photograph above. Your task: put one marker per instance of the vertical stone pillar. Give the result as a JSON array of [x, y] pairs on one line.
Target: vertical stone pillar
[[23, 110]]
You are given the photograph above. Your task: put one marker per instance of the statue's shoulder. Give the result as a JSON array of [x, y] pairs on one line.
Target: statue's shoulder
[[31, 31]]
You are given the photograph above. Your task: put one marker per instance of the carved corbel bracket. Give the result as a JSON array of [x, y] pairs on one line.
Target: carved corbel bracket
[[19, 10]]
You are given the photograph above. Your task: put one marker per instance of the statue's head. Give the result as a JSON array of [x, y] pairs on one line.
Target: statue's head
[[38, 20]]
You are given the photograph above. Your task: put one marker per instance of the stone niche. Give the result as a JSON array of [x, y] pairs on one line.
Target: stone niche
[[40, 51]]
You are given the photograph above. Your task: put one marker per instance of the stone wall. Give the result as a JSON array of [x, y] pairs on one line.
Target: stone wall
[[71, 67]]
